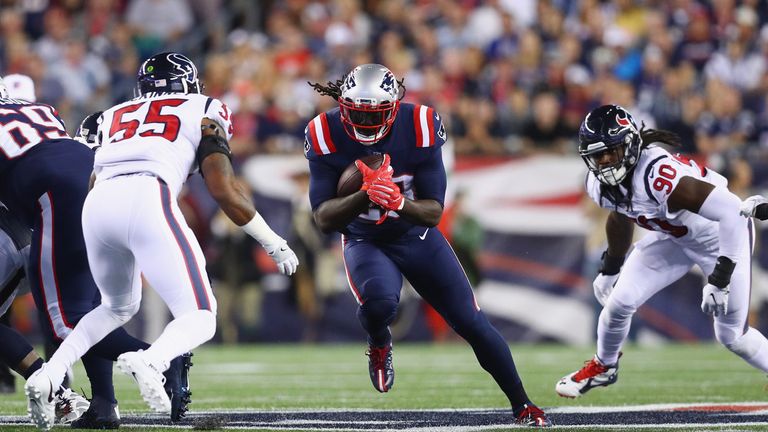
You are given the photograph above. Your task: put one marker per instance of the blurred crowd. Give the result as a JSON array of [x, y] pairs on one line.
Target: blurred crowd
[[510, 77]]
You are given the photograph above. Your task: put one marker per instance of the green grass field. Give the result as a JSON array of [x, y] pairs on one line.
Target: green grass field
[[300, 377]]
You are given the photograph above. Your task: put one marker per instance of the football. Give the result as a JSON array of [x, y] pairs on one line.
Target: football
[[351, 179]]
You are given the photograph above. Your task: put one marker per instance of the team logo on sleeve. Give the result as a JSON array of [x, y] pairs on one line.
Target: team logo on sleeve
[[441, 132], [307, 146]]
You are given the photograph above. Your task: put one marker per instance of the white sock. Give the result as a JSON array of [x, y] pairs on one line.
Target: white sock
[[91, 329], [181, 335], [612, 330]]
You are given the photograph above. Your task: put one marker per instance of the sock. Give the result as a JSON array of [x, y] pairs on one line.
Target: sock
[[99, 371], [37, 364], [91, 329], [181, 335], [15, 347], [116, 343]]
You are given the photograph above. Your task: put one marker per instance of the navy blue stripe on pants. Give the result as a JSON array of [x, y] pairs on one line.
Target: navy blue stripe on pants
[[193, 270]]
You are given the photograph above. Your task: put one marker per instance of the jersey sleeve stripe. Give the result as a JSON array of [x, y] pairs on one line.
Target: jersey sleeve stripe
[[429, 119], [327, 133], [424, 124], [417, 126], [313, 136], [321, 135], [207, 104], [647, 173]]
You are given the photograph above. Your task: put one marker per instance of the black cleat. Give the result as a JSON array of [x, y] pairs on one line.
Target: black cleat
[[380, 368], [100, 415], [532, 416], [177, 385]]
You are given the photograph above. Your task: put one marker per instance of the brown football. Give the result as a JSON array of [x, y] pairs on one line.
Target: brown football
[[351, 179]]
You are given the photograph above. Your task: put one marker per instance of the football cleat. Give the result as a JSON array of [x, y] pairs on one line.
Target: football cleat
[[102, 414], [69, 406], [149, 378], [177, 385], [380, 368], [532, 416], [40, 398], [593, 374]]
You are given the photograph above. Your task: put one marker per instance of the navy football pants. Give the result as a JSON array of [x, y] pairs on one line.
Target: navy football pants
[[375, 270]]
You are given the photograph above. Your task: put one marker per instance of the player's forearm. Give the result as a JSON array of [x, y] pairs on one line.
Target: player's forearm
[[236, 205], [337, 213], [619, 230], [422, 212]]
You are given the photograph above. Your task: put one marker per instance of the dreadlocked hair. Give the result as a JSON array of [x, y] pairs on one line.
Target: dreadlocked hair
[[659, 135], [333, 88]]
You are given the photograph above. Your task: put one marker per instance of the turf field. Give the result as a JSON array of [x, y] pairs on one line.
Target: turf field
[[442, 388]]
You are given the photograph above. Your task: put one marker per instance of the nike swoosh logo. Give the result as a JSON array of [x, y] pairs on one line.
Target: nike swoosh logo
[[50, 392], [423, 236]]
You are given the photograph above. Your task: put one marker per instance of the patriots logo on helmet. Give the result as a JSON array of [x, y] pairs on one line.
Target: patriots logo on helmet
[[388, 84], [349, 82]]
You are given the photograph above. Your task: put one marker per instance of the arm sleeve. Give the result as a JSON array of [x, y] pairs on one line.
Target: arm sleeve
[[322, 182], [430, 178], [723, 206]]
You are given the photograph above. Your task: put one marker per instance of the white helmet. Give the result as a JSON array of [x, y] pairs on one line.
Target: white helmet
[[370, 98]]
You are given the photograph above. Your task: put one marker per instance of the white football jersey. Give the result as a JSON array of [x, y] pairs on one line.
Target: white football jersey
[[655, 176], [157, 133]]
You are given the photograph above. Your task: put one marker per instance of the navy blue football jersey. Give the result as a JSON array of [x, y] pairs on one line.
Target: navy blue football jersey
[[414, 146], [23, 125]]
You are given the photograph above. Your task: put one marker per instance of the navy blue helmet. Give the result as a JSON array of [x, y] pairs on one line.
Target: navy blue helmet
[[168, 72], [86, 132], [610, 128]]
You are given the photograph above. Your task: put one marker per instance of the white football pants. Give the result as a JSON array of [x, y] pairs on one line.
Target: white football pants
[[656, 262], [133, 225]]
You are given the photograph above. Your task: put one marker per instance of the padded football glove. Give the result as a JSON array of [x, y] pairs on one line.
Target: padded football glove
[[387, 195], [283, 256], [749, 207], [382, 173], [715, 300], [603, 285]]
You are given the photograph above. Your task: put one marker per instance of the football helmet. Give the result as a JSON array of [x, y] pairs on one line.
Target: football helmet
[[370, 98], [3, 89], [168, 72], [610, 128], [86, 132]]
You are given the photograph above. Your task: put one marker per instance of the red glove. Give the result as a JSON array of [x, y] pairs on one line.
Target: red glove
[[387, 195], [382, 173]]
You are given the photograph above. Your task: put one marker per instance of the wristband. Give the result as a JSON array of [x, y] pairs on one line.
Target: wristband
[[611, 264], [258, 229], [721, 275], [761, 211]]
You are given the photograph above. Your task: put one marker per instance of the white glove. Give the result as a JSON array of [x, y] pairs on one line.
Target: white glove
[[284, 257], [715, 300], [749, 205], [603, 285]]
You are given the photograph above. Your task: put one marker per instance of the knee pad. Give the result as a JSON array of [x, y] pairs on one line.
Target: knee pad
[[379, 310], [617, 311], [124, 312]]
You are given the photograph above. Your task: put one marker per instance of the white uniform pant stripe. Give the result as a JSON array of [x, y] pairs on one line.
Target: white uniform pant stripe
[[46, 263]]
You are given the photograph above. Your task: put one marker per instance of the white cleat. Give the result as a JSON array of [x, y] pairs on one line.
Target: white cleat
[[593, 374], [69, 405], [149, 378], [40, 397]]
